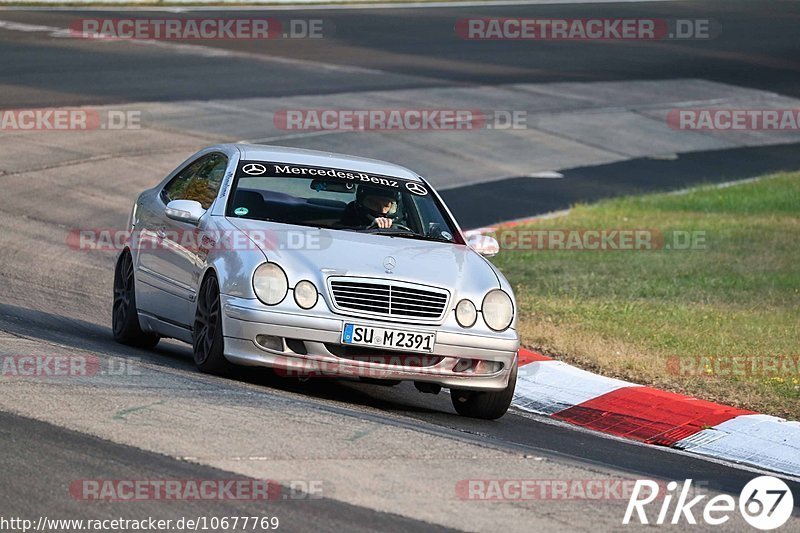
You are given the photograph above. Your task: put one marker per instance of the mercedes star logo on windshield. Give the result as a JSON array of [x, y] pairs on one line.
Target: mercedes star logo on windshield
[[416, 188], [254, 169]]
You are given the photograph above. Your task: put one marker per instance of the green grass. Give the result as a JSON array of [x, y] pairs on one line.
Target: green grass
[[628, 313]]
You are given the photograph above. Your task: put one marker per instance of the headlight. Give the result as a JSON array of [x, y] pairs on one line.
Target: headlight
[[497, 309], [466, 314], [270, 283], [305, 294]]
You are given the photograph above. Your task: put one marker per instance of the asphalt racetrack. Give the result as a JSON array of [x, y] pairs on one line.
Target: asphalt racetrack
[[378, 458]]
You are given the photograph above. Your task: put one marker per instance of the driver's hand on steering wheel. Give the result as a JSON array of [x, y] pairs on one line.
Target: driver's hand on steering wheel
[[383, 222]]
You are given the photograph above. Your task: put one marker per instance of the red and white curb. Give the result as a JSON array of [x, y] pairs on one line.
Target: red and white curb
[[652, 416]]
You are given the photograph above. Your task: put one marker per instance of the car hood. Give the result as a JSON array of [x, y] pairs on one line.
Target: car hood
[[320, 253]]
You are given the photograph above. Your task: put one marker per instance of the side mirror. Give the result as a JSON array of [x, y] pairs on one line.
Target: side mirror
[[484, 245], [185, 211]]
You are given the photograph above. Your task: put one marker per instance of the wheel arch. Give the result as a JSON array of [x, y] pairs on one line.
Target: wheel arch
[[207, 273]]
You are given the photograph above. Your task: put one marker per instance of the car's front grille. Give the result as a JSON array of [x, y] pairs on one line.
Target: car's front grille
[[389, 298]]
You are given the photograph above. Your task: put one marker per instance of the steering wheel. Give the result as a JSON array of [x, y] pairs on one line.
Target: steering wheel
[[374, 224]]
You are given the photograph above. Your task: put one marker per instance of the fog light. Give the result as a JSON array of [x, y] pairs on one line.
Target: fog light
[[488, 367], [464, 365], [477, 366], [269, 342]]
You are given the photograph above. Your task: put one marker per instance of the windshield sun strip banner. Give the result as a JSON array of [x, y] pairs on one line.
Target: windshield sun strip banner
[[263, 169]]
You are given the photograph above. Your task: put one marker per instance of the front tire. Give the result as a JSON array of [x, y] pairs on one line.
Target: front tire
[[487, 405], [208, 344], [124, 316]]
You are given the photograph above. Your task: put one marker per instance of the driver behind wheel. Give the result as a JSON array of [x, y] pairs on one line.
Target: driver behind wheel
[[373, 207]]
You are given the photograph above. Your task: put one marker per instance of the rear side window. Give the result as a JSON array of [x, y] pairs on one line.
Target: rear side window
[[200, 181]]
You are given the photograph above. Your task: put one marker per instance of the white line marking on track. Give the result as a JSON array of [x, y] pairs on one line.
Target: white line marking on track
[[546, 174]]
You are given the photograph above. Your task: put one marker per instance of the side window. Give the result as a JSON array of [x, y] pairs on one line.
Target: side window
[[200, 181], [432, 218]]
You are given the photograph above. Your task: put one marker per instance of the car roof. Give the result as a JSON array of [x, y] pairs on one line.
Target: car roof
[[298, 156]]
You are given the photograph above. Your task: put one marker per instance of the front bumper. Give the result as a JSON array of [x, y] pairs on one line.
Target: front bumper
[[319, 332]]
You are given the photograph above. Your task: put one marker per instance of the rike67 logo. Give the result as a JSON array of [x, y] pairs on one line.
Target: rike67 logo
[[765, 502]]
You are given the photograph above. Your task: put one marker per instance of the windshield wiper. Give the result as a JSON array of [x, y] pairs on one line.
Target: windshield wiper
[[411, 235]]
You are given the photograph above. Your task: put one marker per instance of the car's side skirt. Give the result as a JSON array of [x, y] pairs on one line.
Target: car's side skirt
[[165, 327]]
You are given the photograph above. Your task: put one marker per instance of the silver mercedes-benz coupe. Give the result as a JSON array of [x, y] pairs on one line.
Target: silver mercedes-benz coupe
[[317, 264]]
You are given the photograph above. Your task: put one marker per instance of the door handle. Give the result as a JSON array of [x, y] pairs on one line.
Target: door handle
[[161, 234]]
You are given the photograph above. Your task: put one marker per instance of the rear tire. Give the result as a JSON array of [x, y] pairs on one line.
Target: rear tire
[[487, 405], [208, 344], [124, 316]]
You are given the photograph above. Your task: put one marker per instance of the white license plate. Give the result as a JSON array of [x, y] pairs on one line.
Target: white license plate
[[395, 339]]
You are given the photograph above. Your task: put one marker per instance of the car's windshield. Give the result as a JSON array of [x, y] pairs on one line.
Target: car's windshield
[[338, 199]]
